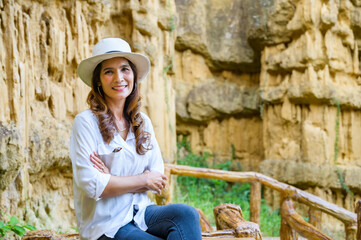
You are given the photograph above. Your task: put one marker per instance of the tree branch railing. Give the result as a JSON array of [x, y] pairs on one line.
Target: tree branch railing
[[290, 220]]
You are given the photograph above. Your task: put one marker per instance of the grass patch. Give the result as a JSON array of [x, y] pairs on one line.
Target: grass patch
[[206, 194]]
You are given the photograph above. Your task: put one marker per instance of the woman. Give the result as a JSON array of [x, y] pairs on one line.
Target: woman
[[116, 158]]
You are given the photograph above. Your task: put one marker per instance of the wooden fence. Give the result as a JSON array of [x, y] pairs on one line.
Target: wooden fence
[[291, 222]]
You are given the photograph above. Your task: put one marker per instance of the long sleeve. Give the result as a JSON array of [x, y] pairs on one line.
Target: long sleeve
[[83, 143]]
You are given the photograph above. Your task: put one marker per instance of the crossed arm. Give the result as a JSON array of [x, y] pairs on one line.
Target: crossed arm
[[119, 185]]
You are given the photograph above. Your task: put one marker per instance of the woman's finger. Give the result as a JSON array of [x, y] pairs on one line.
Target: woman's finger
[[161, 185], [164, 183], [158, 190], [97, 168], [93, 160], [98, 164], [97, 158]]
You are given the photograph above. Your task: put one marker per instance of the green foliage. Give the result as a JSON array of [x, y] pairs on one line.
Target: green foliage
[[336, 150], [206, 194], [171, 18], [13, 225]]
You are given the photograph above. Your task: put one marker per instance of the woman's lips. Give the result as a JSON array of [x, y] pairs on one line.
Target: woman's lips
[[119, 88]]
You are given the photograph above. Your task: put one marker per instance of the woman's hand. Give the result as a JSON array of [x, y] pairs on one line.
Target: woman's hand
[[155, 181], [98, 163]]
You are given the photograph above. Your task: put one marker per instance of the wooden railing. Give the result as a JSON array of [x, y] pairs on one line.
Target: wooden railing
[[291, 222]]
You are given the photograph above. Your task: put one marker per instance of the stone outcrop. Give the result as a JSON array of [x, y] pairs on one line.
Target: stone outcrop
[[41, 44], [203, 22], [214, 100], [218, 110]]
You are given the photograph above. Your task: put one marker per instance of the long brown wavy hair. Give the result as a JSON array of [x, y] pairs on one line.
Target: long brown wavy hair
[[131, 112]]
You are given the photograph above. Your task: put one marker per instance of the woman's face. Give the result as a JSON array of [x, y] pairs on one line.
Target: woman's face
[[117, 78]]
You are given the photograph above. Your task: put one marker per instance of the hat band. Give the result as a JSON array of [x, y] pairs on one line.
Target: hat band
[[113, 51]]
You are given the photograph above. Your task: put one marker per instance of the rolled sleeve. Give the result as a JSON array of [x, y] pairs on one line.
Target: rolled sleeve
[[83, 143], [101, 182]]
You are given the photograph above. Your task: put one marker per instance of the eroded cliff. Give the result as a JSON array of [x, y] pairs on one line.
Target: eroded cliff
[[273, 84], [290, 105]]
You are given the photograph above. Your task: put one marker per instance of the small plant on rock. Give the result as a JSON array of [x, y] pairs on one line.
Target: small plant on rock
[[13, 225]]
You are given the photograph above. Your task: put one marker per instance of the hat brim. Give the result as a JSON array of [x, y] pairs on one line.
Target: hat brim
[[86, 67]]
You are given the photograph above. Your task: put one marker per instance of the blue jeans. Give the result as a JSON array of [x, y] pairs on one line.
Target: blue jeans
[[171, 222]]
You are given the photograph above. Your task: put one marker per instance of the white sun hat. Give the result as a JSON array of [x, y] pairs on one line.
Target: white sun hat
[[109, 48]]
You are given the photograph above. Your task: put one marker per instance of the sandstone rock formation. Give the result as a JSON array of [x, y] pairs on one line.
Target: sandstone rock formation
[[304, 127]]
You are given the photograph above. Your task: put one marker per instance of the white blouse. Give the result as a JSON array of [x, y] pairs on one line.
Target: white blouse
[[97, 216]]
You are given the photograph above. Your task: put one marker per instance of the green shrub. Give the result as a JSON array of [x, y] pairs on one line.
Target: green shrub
[[206, 194], [13, 225]]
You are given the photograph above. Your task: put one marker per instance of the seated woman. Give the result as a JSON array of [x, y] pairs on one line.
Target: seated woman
[[116, 158]]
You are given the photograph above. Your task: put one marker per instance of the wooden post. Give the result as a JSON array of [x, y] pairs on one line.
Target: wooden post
[[315, 217], [286, 232], [165, 197], [205, 226], [298, 224], [350, 230], [255, 202], [358, 212]]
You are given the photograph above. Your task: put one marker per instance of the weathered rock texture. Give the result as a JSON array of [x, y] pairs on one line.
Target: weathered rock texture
[[311, 101], [272, 84], [41, 44], [290, 104]]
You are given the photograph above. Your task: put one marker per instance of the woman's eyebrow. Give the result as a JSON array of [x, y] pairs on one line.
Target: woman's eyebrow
[[110, 68]]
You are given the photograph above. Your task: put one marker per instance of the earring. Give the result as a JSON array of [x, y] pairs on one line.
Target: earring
[[100, 91]]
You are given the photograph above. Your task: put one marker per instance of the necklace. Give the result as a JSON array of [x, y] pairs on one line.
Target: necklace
[[118, 122], [122, 130]]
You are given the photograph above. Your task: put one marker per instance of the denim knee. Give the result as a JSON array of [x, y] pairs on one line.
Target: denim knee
[[184, 211]]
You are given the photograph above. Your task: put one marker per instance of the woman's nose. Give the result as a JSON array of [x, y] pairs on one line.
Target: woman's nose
[[119, 76]]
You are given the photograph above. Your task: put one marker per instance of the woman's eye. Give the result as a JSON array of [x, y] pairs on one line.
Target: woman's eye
[[125, 69], [108, 72]]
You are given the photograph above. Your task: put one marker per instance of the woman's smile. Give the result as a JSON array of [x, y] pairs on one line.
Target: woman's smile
[[117, 79], [120, 87]]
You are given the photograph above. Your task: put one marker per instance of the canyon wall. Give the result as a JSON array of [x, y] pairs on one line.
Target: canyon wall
[[273, 85], [41, 44]]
